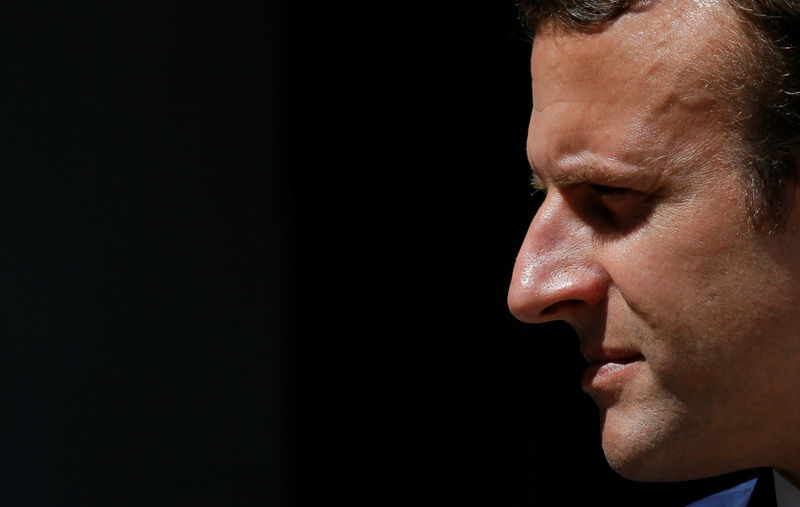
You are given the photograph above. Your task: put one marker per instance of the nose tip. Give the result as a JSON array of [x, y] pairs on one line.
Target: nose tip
[[559, 269], [542, 291]]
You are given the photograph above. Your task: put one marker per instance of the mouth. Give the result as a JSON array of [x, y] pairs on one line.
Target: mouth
[[611, 372]]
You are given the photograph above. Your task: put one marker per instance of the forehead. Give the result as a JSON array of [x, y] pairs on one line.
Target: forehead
[[662, 39], [659, 67]]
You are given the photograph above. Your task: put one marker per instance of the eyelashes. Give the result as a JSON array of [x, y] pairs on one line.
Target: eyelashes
[[537, 184], [606, 208], [603, 190]]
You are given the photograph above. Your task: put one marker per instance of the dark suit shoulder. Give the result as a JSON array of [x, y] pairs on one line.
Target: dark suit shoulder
[[756, 492], [737, 496]]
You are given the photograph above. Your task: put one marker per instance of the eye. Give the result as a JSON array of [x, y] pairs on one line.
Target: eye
[[605, 191], [619, 206], [614, 196]]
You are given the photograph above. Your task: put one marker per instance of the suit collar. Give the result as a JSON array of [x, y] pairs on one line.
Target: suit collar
[[756, 492]]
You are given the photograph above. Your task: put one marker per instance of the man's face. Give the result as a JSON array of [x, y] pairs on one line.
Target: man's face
[[643, 245]]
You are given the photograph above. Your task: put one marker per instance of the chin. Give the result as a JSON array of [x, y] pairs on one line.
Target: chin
[[658, 469], [651, 450], [635, 468], [635, 465]]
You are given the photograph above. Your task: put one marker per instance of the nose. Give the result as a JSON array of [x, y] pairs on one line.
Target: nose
[[557, 272]]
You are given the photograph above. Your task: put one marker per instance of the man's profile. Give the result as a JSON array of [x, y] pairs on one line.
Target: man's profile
[[666, 135]]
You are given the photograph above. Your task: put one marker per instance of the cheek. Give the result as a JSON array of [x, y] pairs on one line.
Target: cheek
[[684, 258], [703, 310], [662, 280], [682, 291]]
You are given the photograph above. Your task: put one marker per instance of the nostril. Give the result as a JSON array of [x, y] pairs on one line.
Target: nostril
[[568, 304]]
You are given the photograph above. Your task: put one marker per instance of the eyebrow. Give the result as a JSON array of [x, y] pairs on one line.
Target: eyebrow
[[590, 172]]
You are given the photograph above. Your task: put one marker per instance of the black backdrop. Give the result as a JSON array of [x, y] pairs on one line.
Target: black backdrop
[[139, 261], [256, 253]]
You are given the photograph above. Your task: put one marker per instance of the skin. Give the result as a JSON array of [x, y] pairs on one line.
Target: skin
[[643, 245]]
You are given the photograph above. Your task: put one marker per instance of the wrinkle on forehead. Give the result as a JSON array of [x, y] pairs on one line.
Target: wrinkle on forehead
[[652, 76], [637, 47]]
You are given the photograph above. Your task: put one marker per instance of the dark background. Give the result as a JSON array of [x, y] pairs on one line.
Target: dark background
[[141, 219], [256, 253]]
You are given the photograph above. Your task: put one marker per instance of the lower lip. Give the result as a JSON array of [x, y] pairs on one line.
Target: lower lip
[[608, 374]]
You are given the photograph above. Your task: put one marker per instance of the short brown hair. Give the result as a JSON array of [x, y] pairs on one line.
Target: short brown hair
[[773, 108]]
